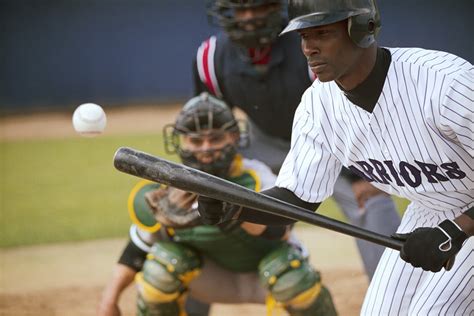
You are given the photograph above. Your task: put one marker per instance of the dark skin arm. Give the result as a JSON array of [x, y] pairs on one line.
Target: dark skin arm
[[122, 277], [466, 222], [363, 191]]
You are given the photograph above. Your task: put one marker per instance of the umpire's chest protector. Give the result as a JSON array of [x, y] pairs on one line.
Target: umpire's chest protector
[[273, 92]]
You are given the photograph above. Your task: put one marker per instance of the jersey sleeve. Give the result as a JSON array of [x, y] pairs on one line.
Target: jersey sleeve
[[266, 177], [205, 68], [198, 85], [456, 111], [310, 169]]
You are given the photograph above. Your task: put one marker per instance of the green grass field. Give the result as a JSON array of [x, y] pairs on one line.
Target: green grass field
[[68, 190]]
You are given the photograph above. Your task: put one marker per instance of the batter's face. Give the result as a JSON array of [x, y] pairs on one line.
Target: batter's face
[[206, 145], [330, 51]]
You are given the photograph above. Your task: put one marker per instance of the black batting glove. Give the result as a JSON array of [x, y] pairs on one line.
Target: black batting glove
[[211, 210], [214, 212], [432, 248]]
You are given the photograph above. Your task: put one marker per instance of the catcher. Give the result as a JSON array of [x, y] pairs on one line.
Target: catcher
[[171, 255]]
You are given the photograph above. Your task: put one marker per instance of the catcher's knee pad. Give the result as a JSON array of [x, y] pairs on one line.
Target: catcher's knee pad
[[168, 269], [294, 284]]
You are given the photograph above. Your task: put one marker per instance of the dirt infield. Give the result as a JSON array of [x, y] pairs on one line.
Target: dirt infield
[[67, 279], [59, 124]]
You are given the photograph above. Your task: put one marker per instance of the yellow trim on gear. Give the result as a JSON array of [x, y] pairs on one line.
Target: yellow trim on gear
[[295, 263], [301, 301], [152, 294], [131, 209], [272, 280], [237, 166], [258, 182], [306, 298], [237, 169], [186, 277], [181, 302], [272, 305]]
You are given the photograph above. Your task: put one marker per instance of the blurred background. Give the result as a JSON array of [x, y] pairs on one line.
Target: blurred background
[[60, 53], [134, 58]]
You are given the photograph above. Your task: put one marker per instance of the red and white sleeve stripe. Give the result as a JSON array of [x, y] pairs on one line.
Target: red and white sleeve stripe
[[205, 65]]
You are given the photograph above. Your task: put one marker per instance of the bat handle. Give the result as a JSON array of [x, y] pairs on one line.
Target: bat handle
[[395, 244]]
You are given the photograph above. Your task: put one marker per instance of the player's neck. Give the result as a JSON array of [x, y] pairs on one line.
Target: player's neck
[[360, 69]]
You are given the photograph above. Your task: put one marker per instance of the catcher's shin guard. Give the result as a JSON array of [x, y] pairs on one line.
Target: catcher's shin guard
[[173, 308], [162, 284], [293, 284], [321, 304]]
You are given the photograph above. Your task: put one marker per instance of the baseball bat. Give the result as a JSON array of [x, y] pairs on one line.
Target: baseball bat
[[159, 170]]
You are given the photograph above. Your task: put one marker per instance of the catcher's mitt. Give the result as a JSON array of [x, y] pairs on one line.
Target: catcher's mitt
[[173, 207]]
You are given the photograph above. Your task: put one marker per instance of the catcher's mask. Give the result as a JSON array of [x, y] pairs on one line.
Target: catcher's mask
[[260, 29], [206, 135]]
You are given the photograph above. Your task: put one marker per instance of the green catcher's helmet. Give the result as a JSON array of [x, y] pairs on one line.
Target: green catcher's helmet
[[362, 15], [199, 115]]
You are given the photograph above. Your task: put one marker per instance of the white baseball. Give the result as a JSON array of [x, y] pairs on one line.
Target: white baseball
[[89, 119]]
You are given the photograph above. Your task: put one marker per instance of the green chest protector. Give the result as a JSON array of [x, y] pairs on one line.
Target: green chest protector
[[233, 249], [286, 274]]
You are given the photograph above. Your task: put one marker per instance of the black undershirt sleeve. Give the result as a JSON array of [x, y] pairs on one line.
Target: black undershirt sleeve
[[133, 257], [274, 232], [350, 176], [253, 216]]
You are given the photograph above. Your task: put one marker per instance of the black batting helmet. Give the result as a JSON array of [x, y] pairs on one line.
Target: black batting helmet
[[363, 17], [263, 30]]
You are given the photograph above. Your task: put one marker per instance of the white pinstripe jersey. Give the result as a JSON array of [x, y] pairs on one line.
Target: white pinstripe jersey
[[417, 143]]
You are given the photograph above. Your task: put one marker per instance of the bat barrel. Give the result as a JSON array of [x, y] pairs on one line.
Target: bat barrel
[[159, 170]]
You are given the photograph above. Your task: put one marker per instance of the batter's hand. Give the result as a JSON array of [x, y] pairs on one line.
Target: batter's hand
[[432, 248], [363, 191], [215, 212]]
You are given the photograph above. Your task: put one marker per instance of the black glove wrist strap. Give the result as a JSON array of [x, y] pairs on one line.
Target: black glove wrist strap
[[231, 211], [453, 232], [230, 220]]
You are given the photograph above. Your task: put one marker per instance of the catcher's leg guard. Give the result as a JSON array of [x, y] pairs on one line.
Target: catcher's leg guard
[[294, 284], [162, 284]]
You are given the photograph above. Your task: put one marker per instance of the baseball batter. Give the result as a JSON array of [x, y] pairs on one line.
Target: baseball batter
[[251, 68], [403, 119]]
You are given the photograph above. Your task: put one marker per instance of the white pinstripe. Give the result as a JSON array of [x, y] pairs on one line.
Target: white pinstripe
[[417, 143]]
